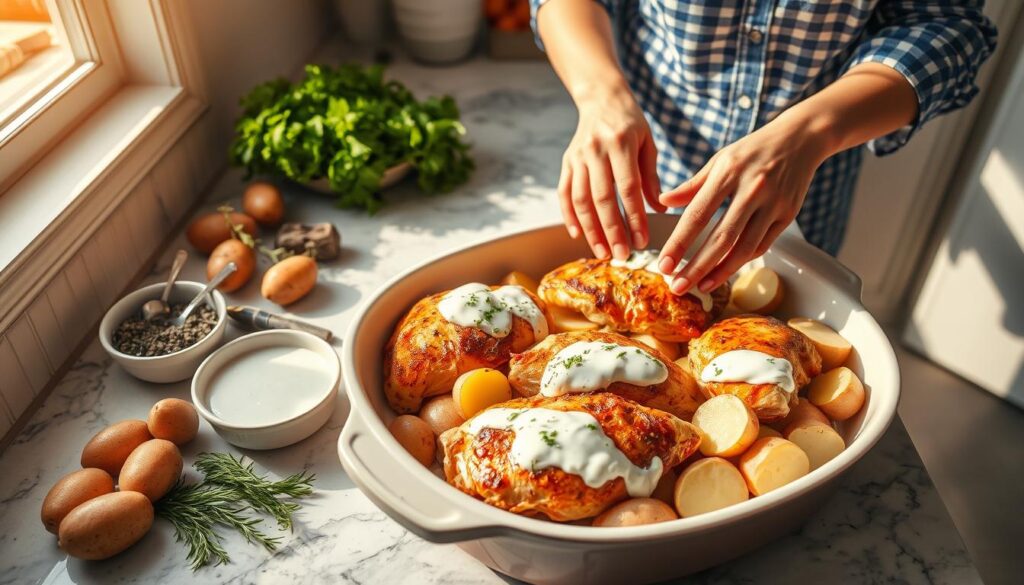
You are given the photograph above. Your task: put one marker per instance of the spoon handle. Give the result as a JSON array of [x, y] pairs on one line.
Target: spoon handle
[[225, 272], [176, 266]]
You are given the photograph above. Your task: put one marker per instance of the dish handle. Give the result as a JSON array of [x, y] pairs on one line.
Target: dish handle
[[414, 502]]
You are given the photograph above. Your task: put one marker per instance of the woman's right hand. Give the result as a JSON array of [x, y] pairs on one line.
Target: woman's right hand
[[611, 150]]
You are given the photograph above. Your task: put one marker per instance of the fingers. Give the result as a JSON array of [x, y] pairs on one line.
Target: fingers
[[572, 224], [697, 215], [583, 205], [742, 251], [684, 193], [627, 181], [648, 159], [602, 189], [770, 236]]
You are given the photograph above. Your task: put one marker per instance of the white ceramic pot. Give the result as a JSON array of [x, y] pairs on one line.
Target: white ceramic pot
[[547, 552], [172, 367], [438, 31], [280, 434]]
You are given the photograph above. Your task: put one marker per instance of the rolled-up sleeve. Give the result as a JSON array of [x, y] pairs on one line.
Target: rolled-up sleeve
[[938, 46], [611, 6]]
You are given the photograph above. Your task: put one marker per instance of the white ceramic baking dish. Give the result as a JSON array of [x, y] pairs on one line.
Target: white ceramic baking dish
[[545, 552]]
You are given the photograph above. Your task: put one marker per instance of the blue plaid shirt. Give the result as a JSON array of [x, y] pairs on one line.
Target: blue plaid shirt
[[708, 73]]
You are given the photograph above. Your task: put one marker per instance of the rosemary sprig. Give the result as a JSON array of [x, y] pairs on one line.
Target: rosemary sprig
[[231, 489]]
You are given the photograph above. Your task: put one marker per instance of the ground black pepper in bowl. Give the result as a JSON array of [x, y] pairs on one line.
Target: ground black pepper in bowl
[[141, 338]]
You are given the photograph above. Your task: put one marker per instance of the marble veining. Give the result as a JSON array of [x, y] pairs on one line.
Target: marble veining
[[886, 524]]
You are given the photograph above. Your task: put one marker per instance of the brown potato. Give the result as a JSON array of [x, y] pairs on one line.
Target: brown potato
[[665, 490], [289, 280], [771, 463], [839, 393], [707, 485], [72, 490], [151, 469], [727, 426], [519, 279], [173, 419], [416, 436], [232, 250], [109, 448], [441, 414], [833, 348], [563, 320], [670, 349], [759, 290], [105, 525], [263, 202], [635, 512], [820, 442], [209, 230]]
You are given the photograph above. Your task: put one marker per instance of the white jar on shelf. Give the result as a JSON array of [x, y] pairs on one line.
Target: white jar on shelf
[[438, 31]]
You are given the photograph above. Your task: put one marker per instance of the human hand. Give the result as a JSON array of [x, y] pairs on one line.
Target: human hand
[[767, 174], [612, 149]]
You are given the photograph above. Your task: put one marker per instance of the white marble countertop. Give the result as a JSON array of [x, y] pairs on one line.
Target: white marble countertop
[[885, 524]]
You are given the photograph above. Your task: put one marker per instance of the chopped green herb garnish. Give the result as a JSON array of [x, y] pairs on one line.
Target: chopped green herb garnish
[[771, 360], [622, 355], [592, 427], [718, 371], [549, 438], [573, 360], [609, 347], [514, 415]]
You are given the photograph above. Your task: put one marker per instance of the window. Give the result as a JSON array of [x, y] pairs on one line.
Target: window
[[34, 52]]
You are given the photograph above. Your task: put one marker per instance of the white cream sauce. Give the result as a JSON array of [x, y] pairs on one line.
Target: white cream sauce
[[752, 367], [268, 385], [586, 366], [476, 305], [572, 441], [648, 260]]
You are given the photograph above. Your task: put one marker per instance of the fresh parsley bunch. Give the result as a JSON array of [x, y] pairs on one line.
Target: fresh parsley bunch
[[350, 125]]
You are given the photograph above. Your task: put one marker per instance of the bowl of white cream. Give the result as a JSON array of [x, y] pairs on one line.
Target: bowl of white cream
[[269, 389]]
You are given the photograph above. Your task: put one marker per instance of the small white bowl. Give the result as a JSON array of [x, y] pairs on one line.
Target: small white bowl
[[277, 434], [172, 367]]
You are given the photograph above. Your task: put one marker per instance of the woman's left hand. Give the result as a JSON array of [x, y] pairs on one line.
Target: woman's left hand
[[767, 174]]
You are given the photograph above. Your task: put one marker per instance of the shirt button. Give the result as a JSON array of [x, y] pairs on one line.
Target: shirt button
[[755, 36], [745, 102]]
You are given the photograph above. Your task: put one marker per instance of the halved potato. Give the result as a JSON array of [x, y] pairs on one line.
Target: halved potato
[[563, 320], [771, 463], [477, 389], [766, 431], [800, 412], [759, 290], [820, 442], [839, 393], [670, 349], [635, 512], [520, 279], [833, 348], [727, 425], [707, 485]]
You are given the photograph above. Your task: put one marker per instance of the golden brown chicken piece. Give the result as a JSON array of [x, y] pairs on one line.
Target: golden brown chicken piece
[[678, 394], [624, 299], [481, 464], [426, 352], [764, 334]]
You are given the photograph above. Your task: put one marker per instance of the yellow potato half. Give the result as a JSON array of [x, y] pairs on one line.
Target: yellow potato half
[[707, 485], [727, 425], [477, 389], [771, 463], [517, 278], [759, 290], [820, 442], [563, 320], [839, 393], [833, 348]]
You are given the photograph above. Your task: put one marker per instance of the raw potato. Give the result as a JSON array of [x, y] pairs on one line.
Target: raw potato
[[207, 231], [477, 389], [106, 525], [563, 320], [151, 469], [839, 393], [173, 419], [416, 436], [441, 414], [665, 490], [771, 463], [758, 291], [109, 448], [668, 348], [800, 413], [263, 202], [727, 425], [289, 280], [232, 250], [708, 485], [820, 442], [833, 348], [636, 512], [519, 279], [71, 491]]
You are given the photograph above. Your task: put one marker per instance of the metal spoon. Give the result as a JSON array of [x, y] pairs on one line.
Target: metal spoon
[[225, 272], [158, 308]]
